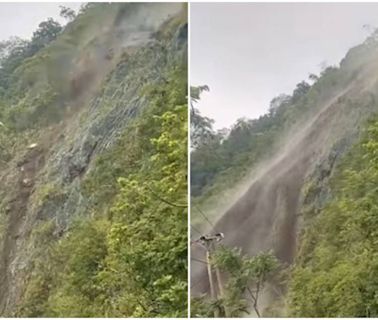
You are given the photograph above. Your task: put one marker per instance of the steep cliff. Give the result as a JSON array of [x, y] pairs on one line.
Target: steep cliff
[[84, 122], [283, 172]]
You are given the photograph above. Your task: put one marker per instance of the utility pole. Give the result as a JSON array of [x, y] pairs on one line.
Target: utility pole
[[209, 242]]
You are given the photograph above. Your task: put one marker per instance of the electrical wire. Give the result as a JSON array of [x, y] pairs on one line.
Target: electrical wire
[[205, 217]]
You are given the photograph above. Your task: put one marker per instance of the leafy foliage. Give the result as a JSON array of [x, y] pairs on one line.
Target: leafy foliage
[[222, 159], [130, 260], [338, 276], [15, 51], [67, 13], [224, 156], [246, 278], [125, 255], [335, 274]]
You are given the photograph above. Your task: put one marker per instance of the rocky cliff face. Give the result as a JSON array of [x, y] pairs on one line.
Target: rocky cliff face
[[269, 211], [121, 49]]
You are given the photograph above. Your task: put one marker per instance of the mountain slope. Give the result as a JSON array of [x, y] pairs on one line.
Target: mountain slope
[[335, 273], [93, 119], [304, 140]]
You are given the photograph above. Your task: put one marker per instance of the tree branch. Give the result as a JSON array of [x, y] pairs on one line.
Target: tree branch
[[166, 201]]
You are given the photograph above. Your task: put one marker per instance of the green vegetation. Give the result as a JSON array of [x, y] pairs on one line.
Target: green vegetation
[[19, 108], [246, 278], [111, 239], [46, 193], [15, 51], [336, 265], [223, 157], [130, 260], [336, 272], [38, 76]]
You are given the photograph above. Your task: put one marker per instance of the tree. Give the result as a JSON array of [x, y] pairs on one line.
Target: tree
[[47, 31], [246, 276], [12, 46], [12, 53], [195, 93], [201, 127], [313, 77], [336, 272], [67, 13], [131, 259], [15, 50], [278, 102], [150, 214], [300, 90]]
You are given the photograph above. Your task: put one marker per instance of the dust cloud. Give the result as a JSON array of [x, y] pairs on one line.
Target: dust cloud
[[264, 210]]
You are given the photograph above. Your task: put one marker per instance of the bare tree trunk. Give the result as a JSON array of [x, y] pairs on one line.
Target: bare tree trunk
[[254, 300]]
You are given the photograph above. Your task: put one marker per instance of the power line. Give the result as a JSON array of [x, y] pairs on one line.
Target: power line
[[198, 260], [165, 200], [196, 230], [205, 217]]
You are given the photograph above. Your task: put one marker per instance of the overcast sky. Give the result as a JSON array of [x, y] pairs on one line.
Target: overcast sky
[[21, 19], [248, 53]]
